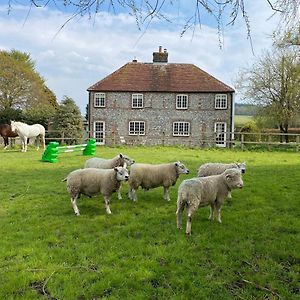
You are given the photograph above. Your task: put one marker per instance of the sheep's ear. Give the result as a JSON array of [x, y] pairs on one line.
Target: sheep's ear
[[228, 176], [116, 169], [121, 155]]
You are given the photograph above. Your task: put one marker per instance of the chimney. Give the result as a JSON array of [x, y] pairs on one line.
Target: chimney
[[160, 56]]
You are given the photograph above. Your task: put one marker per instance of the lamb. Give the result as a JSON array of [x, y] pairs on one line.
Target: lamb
[[93, 181], [218, 168], [212, 190], [101, 163], [118, 161], [151, 176]]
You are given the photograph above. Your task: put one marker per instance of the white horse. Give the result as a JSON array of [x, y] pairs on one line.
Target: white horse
[[25, 131]]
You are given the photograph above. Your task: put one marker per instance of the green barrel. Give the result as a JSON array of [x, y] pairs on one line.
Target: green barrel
[[50, 154], [90, 148]]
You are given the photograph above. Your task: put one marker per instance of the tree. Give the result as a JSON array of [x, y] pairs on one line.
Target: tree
[[273, 84], [223, 12], [21, 87], [69, 121]]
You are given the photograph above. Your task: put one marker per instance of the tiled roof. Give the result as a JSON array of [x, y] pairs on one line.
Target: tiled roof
[[152, 77]]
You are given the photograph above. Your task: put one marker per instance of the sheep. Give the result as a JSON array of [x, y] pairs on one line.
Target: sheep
[[118, 161], [101, 163], [93, 181], [151, 176], [218, 168], [202, 191]]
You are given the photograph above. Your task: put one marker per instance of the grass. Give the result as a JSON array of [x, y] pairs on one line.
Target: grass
[[241, 120], [46, 252]]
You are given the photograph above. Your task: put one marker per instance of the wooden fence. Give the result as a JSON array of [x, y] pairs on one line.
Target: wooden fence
[[240, 140]]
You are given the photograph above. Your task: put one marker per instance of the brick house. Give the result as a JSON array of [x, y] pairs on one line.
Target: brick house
[[161, 103]]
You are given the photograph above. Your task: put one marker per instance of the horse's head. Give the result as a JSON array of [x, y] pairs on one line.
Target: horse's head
[[13, 125]]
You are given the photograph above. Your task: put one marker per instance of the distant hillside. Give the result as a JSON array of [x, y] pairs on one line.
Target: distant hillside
[[245, 109]]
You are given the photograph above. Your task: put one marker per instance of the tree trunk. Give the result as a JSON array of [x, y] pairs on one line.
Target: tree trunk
[[284, 129]]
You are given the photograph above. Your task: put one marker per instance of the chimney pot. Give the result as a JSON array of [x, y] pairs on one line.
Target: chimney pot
[[160, 49]]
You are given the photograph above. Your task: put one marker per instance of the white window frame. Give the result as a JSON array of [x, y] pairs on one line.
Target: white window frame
[[180, 99], [181, 131], [138, 131], [221, 101], [99, 140], [137, 101], [100, 98], [220, 134]]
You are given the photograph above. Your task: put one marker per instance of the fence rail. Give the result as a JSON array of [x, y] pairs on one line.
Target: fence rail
[[240, 140]]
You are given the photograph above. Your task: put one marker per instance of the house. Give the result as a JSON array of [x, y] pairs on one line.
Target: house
[[161, 103]]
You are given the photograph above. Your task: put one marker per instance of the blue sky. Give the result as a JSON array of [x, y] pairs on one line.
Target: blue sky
[[88, 49]]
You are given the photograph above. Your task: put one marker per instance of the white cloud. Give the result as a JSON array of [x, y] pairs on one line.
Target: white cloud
[[85, 50]]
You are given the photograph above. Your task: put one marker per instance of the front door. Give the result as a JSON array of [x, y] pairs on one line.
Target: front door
[[220, 131], [99, 132]]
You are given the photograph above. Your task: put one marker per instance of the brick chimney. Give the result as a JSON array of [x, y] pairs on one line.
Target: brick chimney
[[160, 56]]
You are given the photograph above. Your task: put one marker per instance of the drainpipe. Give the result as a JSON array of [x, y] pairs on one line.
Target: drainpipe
[[232, 117]]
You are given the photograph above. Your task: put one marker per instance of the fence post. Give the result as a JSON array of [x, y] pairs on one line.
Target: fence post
[[269, 142], [297, 143], [242, 142], [62, 138]]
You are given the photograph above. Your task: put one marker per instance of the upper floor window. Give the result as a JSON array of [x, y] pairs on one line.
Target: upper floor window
[[221, 101], [99, 99], [181, 128], [136, 128], [137, 101], [181, 101]]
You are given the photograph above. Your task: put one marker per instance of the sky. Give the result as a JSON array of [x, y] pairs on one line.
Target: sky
[[85, 50]]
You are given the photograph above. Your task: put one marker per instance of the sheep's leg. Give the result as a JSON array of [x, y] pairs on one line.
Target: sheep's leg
[[132, 194], [191, 210], [166, 193], [74, 204], [107, 200], [119, 192], [211, 215], [180, 208], [218, 212]]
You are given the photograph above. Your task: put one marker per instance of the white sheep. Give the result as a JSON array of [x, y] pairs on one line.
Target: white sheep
[[150, 176], [120, 160], [94, 181], [209, 169], [202, 191], [101, 163]]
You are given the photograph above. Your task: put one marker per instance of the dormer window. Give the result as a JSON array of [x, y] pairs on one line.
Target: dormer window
[[99, 99], [181, 102], [137, 101], [221, 101]]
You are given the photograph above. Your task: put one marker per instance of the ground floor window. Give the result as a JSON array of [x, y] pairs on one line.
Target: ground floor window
[[99, 132], [181, 128], [136, 128], [220, 131]]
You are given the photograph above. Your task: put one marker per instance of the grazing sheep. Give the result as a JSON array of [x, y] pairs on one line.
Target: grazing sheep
[[218, 168], [101, 163], [94, 181], [151, 176], [120, 160], [212, 190]]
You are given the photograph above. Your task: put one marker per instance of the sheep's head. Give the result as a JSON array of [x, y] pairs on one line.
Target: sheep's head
[[181, 168], [127, 160], [121, 173], [242, 167], [233, 178]]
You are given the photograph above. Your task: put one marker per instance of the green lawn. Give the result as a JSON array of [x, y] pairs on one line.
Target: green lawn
[[46, 252]]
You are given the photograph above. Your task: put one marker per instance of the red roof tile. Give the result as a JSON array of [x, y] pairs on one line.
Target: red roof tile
[[170, 77]]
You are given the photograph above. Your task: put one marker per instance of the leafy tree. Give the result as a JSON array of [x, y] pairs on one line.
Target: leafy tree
[[21, 87], [41, 114], [223, 12], [273, 84], [69, 121], [8, 114]]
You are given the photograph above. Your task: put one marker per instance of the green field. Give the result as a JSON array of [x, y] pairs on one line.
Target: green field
[[240, 120], [46, 252]]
